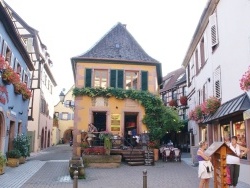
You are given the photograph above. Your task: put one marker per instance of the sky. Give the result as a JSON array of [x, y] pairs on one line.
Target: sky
[[163, 28]]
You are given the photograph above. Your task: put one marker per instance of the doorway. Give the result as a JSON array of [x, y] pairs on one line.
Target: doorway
[[11, 135], [130, 128], [100, 121]]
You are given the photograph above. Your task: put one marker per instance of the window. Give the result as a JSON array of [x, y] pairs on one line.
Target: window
[[65, 116], [101, 78], [131, 79], [202, 51], [174, 95], [214, 31], [217, 83], [204, 92], [18, 69]]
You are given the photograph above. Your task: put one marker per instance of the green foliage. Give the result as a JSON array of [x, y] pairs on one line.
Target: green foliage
[[2, 159], [107, 143], [158, 118], [22, 143], [13, 154]]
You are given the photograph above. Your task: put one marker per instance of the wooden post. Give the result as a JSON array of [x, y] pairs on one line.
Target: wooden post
[[144, 178], [75, 184]]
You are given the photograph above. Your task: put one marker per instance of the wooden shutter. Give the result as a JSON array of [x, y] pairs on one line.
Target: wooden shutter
[[205, 46], [60, 116], [213, 29], [4, 49], [88, 77], [72, 116], [217, 83], [69, 116], [12, 63], [120, 79], [144, 80], [113, 78]]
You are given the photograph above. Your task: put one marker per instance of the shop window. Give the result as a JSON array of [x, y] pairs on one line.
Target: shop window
[[225, 133], [204, 133], [240, 132]]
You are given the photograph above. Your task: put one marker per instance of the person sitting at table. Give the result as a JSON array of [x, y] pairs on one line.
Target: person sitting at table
[[91, 130]]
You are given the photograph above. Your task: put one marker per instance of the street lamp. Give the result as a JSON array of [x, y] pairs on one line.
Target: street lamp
[[62, 97], [67, 103]]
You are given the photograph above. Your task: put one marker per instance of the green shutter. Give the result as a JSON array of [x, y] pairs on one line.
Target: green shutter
[[88, 76], [113, 78], [120, 79], [144, 80]]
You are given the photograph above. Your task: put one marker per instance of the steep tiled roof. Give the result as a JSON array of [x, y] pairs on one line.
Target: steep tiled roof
[[171, 79], [118, 44]]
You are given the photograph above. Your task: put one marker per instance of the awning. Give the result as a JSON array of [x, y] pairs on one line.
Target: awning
[[235, 105]]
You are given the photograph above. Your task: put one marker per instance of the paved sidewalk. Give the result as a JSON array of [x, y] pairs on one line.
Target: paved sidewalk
[[49, 168]]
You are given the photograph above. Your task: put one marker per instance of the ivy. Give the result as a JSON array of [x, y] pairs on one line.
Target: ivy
[[158, 118]]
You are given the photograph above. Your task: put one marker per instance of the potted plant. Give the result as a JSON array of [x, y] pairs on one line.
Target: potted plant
[[19, 87], [173, 103], [13, 157], [8, 75], [2, 163], [26, 93], [106, 137], [183, 100], [154, 146], [22, 144], [212, 104]]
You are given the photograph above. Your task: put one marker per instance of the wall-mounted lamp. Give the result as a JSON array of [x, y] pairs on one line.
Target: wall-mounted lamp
[[10, 107], [7, 132], [208, 79], [20, 113]]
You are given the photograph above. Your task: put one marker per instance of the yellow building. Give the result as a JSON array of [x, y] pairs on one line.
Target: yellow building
[[63, 119], [116, 61]]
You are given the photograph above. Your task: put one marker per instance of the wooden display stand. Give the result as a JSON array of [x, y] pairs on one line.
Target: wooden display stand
[[218, 152]]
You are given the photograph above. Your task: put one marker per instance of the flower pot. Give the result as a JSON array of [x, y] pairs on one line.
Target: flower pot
[[13, 162], [2, 169], [22, 160], [6, 82], [156, 154]]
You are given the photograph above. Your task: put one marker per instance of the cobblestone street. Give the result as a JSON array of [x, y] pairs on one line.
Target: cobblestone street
[[49, 168]]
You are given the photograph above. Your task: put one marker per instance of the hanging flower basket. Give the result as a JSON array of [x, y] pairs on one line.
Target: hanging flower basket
[[183, 100], [245, 80], [19, 87], [173, 103], [211, 105], [26, 93]]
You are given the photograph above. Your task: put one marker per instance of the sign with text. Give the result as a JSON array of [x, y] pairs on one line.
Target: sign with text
[[115, 122]]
